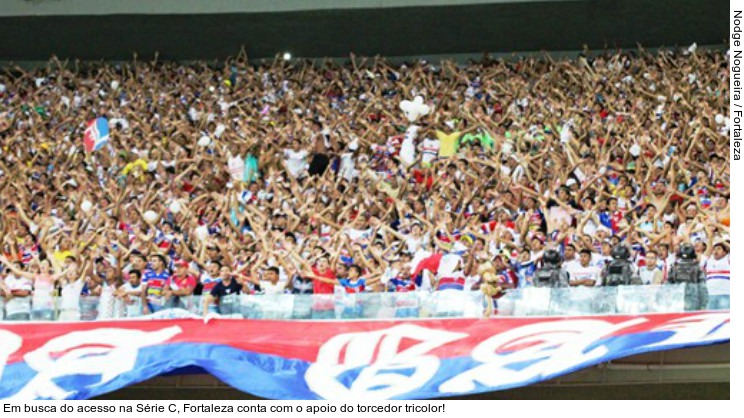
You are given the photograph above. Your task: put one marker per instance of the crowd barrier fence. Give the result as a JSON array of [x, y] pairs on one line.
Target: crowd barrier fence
[[526, 302]]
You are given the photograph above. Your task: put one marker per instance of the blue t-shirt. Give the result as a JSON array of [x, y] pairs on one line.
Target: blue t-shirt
[[352, 287], [155, 285]]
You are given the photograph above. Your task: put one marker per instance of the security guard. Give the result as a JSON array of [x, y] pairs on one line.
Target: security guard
[[551, 274], [687, 270], [620, 271]]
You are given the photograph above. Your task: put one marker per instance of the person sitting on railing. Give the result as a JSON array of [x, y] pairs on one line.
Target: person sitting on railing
[[687, 270], [551, 274], [620, 271]]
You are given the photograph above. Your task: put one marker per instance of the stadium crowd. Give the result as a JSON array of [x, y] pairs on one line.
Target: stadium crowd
[[301, 177]]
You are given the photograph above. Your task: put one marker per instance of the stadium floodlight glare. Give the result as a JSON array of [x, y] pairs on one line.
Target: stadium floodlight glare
[[287, 56]]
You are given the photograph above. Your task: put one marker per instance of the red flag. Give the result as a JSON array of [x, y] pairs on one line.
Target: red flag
[[430, 263]]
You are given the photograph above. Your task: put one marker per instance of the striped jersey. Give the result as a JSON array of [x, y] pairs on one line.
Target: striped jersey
[[451, 283], [718, 275], [208, 282], [155, 284], [397, 284]]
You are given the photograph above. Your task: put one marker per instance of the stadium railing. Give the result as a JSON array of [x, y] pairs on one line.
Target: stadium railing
[[626, 300]]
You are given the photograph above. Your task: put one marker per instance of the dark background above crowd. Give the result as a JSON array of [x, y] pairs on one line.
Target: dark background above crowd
[[92, 33]]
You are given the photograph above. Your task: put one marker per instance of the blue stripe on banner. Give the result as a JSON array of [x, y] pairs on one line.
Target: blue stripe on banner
[[275, 377], [263, 375]]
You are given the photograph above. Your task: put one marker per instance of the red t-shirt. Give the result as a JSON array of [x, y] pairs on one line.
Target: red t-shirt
[[323, 288], [182, 282]]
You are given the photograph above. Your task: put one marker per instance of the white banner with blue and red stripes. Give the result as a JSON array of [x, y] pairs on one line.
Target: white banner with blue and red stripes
[[334, 360]]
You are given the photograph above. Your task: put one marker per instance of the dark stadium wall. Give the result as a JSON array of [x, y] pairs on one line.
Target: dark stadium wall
[[389, 31]]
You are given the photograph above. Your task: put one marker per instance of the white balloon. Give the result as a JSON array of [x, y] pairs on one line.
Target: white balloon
[[202, 232], [150, 217], [719, 119], [204, 141], [86, 206], [414, 109], [175, 206], [114, 85]]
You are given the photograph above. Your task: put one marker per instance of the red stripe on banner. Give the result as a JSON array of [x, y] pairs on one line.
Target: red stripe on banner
[[291, 339]]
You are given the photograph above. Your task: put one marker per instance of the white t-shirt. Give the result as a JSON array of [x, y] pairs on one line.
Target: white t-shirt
[[647, 276], [600, 260], [557, 214], [347, 169], [572, 264], [429, 150], [579, 272], [407, 148], [718, 275], [18, 305], [414, 244], [71, 295], [517, 174], [236, 165], [272, 289], [358, 234], [296, 161], [43, 295], [134, 306], [688, 226], [106, 302]]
